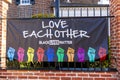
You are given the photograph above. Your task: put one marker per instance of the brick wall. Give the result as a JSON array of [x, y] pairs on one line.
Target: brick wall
[[61, 75], [85, 1], [115, 32], [3, 40], [55, 75], [3, 14], [25, 11], [0, 28]]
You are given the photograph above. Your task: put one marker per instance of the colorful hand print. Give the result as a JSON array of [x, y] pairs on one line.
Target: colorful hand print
[[20, 54], [40, 54], [102, 54], [81, 55], [50, 54], [60, 54], [11, 53], [70, 54], [30, 54], [91, 54]]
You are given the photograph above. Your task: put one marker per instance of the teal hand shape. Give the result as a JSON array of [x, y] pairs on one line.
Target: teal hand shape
[[91, 54]]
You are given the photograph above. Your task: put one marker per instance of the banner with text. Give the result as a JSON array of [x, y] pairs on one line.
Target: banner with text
[[57, 40]]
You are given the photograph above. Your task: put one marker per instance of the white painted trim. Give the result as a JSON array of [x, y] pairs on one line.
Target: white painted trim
[[24, 3]]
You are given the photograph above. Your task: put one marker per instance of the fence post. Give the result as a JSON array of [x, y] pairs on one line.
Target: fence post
[[57, 5]]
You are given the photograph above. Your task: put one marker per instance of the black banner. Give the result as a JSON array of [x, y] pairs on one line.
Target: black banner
[[57, 40]]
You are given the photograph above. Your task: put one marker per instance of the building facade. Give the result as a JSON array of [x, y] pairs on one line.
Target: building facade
[[58, 75], [27, 8]]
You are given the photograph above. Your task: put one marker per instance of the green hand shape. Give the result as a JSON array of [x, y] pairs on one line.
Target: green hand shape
[[60, 54]]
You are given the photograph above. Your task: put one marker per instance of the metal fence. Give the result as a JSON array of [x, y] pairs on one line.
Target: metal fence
[[84, 11]]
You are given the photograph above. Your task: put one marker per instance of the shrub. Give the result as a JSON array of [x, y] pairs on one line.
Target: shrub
[[43, 16]]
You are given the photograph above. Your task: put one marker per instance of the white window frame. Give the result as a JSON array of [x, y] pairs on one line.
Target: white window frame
[[24, 3]]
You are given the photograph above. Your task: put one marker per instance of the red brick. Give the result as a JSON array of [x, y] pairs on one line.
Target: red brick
[[111, 78], [88, 79], [3, 76], [76, 78], [99, 79], [32, 77], [106, 75], [12, 76], [65, 78], [43, 77], [71, 74], [1, 71], [17, 73], [40, 74], [83, 74], [49, 74], [60, 74], [7, 73], [55, 78], [22, 77], [27, 73], [94, 75]]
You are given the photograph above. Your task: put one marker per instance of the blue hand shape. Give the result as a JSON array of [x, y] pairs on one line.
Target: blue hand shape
[[50, 54], [11, 53]]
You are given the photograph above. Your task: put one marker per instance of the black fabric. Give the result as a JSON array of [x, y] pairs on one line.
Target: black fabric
[[77, 34]]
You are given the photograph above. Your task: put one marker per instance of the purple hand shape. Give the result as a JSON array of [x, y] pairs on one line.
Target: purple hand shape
[[81, 54]]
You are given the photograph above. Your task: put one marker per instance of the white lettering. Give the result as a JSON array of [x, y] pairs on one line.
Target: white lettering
[[57, 34], [52, 24], [25, 34], [75, 33], [64, 24], [43, 25], [84, 34], [38, 34], [33, 34], [48, 33], [57, 24]]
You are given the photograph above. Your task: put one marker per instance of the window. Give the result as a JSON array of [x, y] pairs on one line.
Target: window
[[25, 2]]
